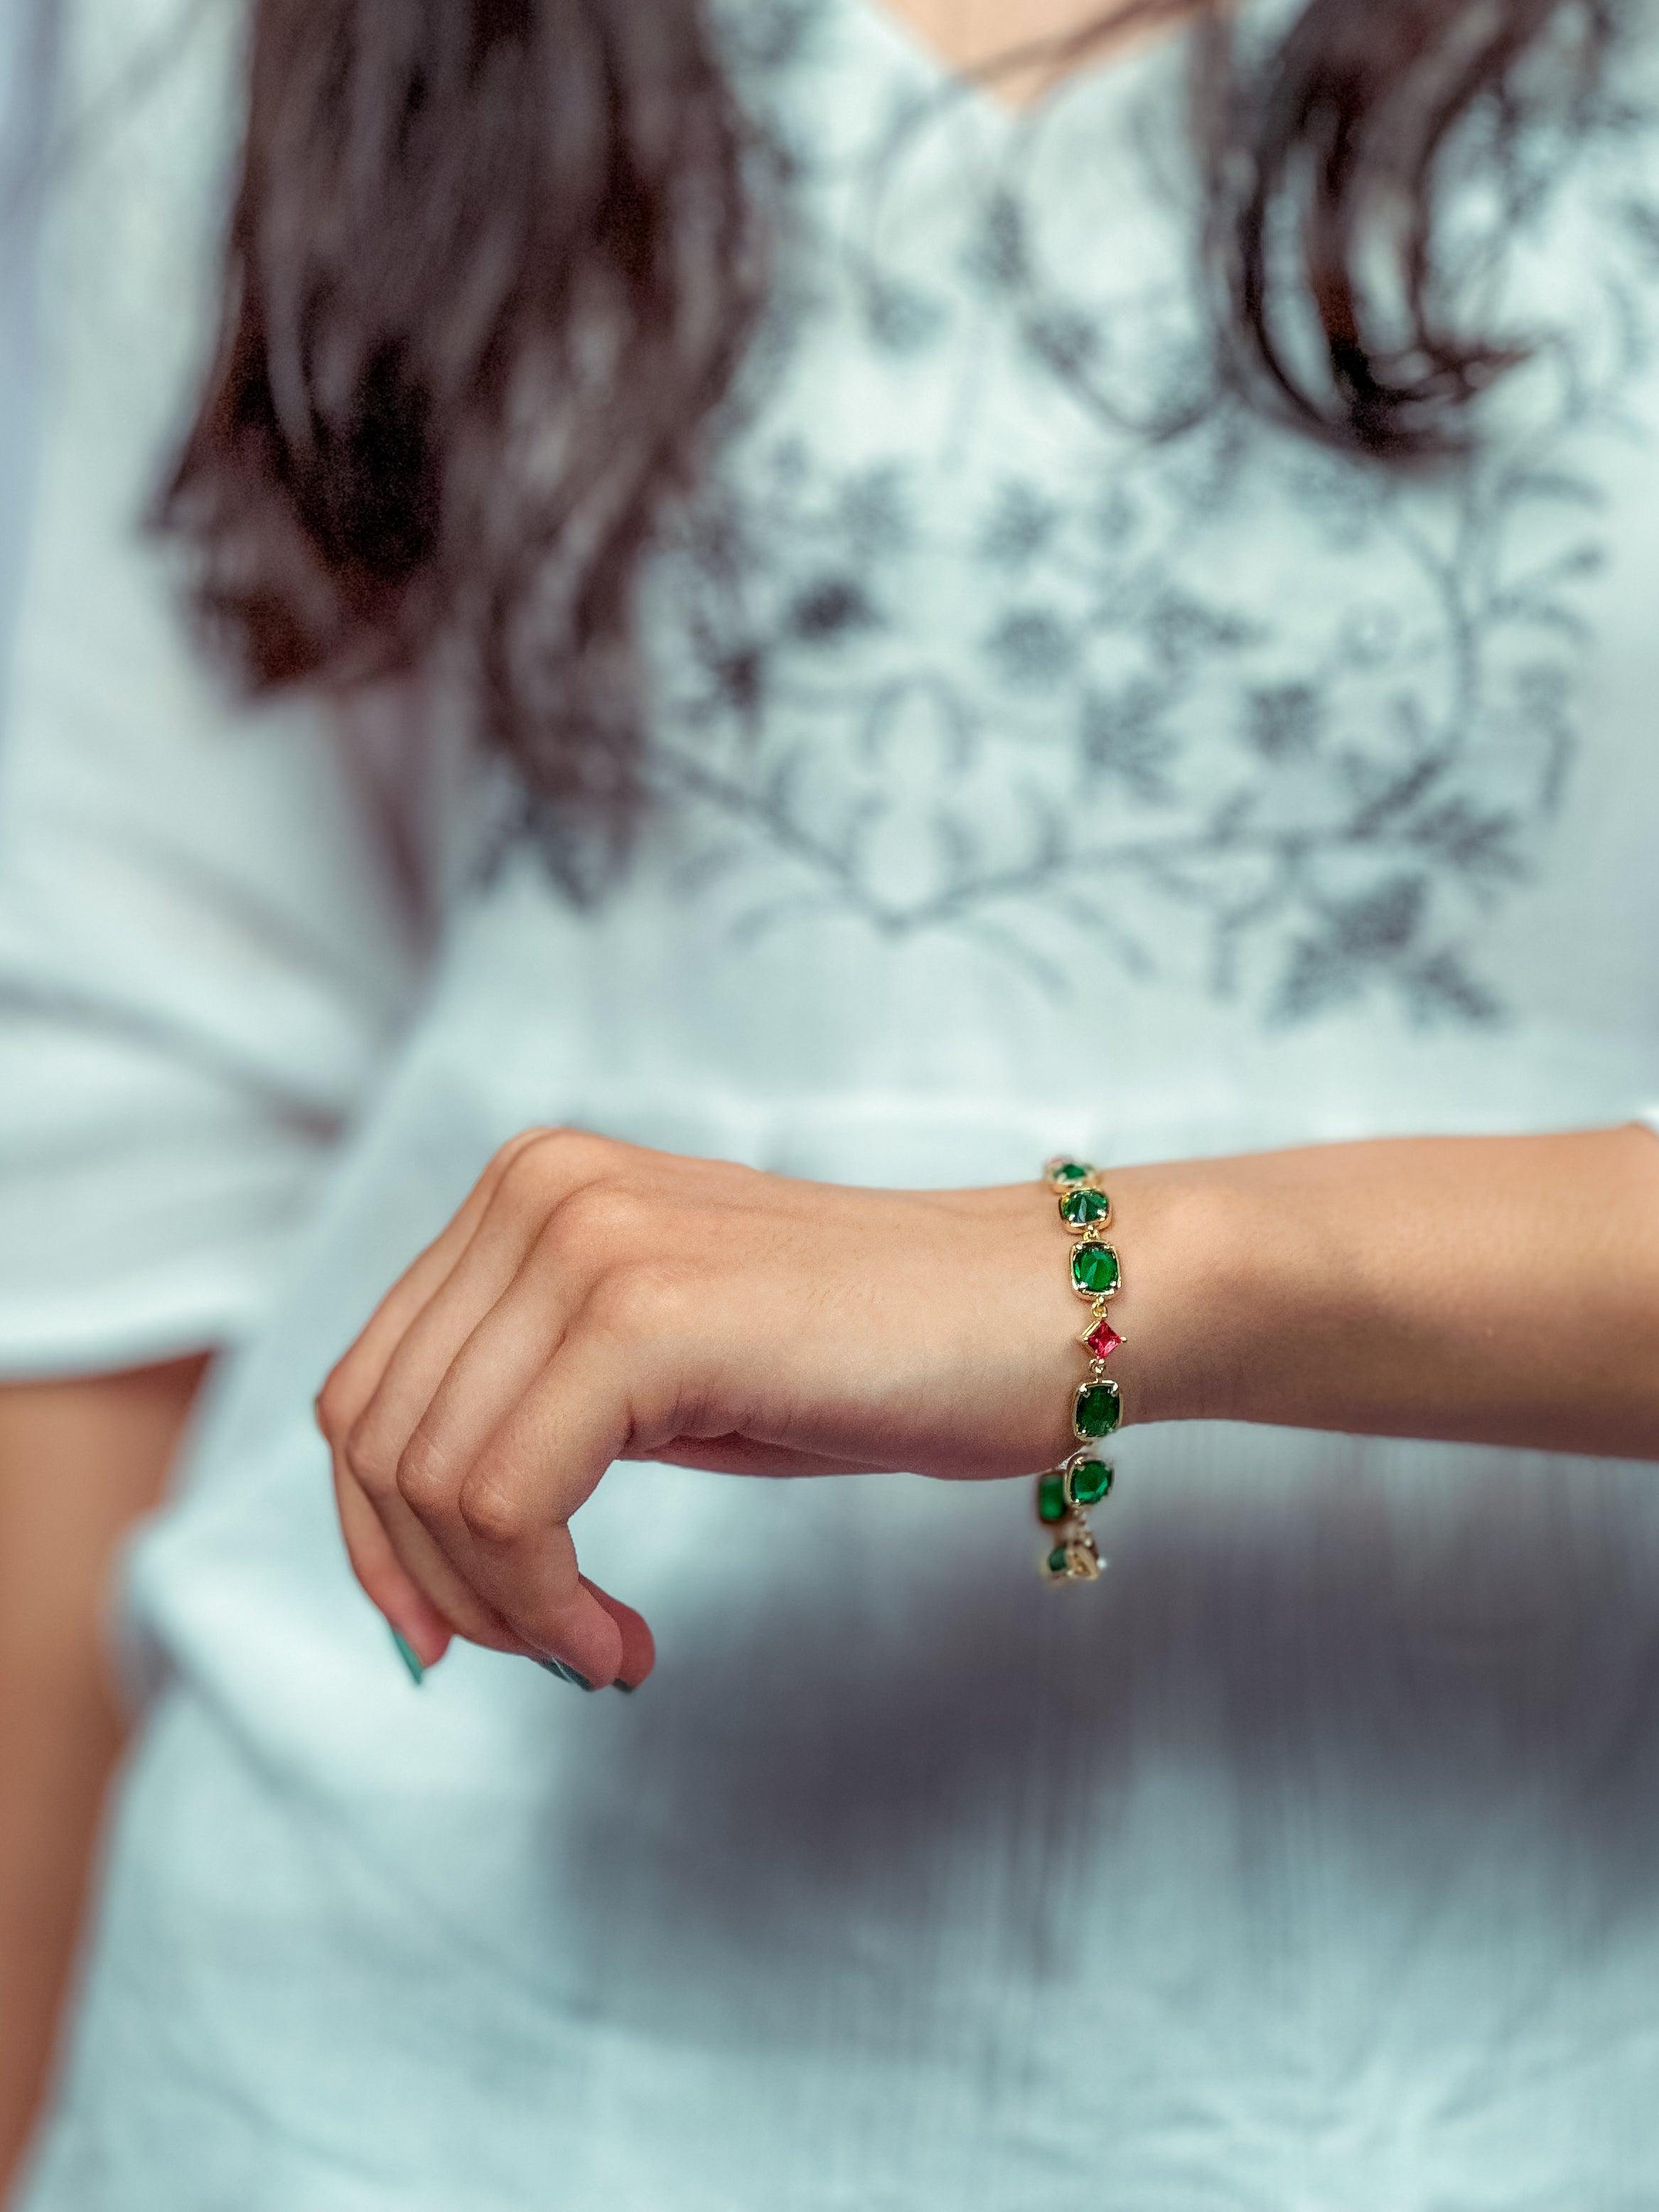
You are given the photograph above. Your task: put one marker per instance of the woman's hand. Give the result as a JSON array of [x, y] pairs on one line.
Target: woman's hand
[[592, 1301]]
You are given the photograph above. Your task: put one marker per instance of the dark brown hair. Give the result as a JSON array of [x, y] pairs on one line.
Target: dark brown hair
[[492, 264]]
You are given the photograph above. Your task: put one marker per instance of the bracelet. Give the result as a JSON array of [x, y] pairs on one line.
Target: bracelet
[[1065, 1492]]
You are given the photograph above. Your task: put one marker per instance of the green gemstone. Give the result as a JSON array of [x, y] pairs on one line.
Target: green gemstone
[[1095, 1270], [1056, 1561], [1090, 1479], [1098, 1410], [1051, 1497], [1085, 1205], [1071, 1171]]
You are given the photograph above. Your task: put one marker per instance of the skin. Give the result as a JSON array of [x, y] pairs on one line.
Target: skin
[[1021, 49], [79, 1461], [594, 1301]]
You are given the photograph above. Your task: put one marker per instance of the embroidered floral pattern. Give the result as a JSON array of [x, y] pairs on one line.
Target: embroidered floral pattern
[[1115, 668]]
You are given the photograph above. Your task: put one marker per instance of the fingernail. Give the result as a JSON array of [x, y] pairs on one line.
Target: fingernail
[[565, 1673], [410, 1657], [626, 1688]]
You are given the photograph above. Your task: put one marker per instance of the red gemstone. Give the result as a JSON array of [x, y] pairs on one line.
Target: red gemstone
[[1103, 1339]]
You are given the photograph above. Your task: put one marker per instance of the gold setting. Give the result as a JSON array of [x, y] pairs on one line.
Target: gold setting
[[1097, 1379], [1088, 1456]]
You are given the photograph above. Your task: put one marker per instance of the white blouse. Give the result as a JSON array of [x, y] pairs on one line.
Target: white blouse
[[1046, 751]]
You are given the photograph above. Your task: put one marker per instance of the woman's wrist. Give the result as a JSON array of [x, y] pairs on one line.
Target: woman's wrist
[[1196, 1293], [1298, 1287], [1398, 1287]]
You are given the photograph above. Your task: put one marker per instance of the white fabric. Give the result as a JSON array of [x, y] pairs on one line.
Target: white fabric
[[207, 936], [1029, 780]]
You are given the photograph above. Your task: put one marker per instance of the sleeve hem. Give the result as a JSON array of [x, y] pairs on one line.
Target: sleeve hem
[[199, 1309]]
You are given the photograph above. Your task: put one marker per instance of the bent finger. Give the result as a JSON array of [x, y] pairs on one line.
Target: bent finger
[[444, 1594], [465, 1359], [394, 1594], [509, 1536], [490, 1373], [639, 1652], [350, 1382]]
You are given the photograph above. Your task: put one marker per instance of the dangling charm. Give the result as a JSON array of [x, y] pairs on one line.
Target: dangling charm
[[1076, 1560], [1064, 1495]]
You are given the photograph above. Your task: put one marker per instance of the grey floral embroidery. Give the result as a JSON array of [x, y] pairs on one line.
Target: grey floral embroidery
[[1173, 689]]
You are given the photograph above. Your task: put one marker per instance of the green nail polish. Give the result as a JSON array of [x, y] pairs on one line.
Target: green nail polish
[[410, 1658], [565, 1673], [626, 1688]]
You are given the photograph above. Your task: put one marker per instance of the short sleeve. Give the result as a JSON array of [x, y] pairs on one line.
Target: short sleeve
[[213, 922]]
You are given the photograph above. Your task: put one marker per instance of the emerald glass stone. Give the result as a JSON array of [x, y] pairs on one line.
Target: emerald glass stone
[[1071, 1171], [1051, 1497], [1090, 1480], [1057, 1562], [1098, 1410], [1095, 1270], [1085, 1205]]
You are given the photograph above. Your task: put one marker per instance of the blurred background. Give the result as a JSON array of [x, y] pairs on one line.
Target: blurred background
[[26, 32]]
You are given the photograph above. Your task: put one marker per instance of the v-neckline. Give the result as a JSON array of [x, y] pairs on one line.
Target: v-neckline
[[890, 22]]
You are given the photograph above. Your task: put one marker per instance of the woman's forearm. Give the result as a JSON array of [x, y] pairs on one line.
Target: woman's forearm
[[1501, 1290]]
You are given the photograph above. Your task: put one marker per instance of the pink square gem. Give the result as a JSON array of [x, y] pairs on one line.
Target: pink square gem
[[1103, 1339]]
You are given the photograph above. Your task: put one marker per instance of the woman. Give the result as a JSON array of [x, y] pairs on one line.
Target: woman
[[1139, 651]]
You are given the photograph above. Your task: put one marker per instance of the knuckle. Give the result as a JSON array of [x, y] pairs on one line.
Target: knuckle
[[541, 1163], [368, 1465], [422, 1477], [494, 1511], [600, 1218], [518, 1148], [526, 1172], [506, 1154], [635, 1298]]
